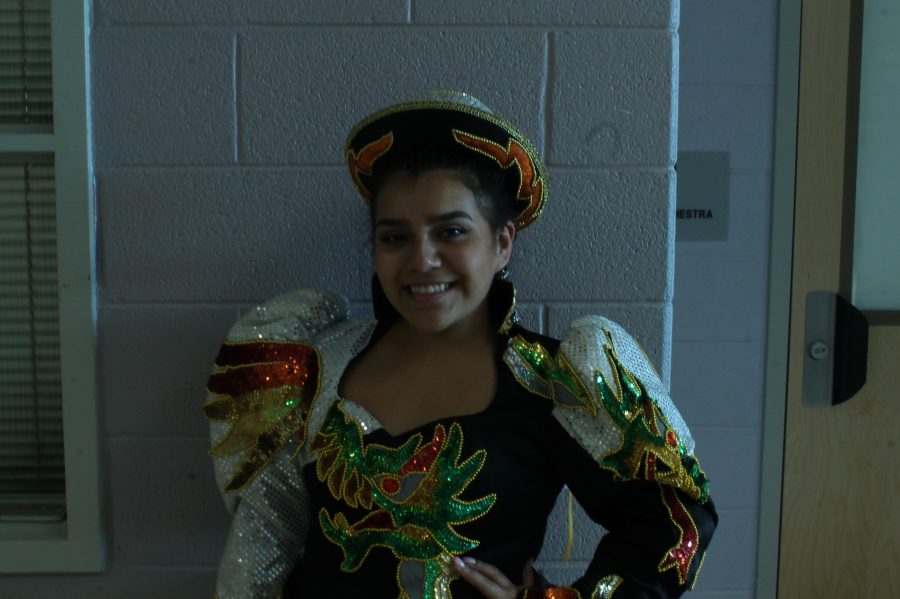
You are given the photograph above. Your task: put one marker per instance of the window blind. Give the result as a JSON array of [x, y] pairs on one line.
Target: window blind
[[26, 91], [32, 474]]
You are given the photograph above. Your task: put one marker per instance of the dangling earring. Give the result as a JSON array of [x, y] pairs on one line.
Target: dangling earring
[[512, 315]]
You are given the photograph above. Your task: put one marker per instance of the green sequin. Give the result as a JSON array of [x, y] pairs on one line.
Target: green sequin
[[645, 444], [415, 524], [648, 450], [558, 371]]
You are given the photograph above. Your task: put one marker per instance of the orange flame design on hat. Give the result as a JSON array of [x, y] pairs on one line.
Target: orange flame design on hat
[[531, 186], [362, 161]]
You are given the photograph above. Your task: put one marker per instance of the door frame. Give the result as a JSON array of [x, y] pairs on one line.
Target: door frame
[[843, 51], [779, 302]]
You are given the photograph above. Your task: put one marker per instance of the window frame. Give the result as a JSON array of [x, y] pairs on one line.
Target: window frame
[[78, 543]]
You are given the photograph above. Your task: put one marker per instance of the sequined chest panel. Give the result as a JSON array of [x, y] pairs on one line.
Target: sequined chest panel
[[402, 496], [409, 496]]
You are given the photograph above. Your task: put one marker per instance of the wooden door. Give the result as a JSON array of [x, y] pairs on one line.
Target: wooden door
[[840, 518]]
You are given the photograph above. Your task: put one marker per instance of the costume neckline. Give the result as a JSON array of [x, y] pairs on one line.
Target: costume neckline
[[369, 423]]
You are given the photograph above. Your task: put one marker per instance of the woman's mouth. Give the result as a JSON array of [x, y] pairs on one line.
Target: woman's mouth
[[430, 289]]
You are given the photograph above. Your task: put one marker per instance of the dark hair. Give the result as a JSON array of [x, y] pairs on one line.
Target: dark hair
[[490, 185]]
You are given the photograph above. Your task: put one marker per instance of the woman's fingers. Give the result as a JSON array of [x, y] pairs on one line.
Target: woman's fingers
[[528, 574], [490, 581]]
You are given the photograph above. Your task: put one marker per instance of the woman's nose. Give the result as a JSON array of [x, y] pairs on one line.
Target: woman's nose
[[425, 256]]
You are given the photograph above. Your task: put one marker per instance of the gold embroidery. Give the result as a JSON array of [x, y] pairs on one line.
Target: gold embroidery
[[606, 587]]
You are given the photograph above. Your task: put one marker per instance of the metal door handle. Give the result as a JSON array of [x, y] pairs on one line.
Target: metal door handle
[[836, 344]]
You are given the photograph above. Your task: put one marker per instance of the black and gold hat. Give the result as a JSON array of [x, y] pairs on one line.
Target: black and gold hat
[[454, 120]]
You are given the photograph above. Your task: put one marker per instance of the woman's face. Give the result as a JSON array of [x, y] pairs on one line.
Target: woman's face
[[435, 253]]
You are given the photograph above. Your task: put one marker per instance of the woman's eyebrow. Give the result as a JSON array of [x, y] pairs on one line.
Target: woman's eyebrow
[[449, 216], [390, 222], [438, 218]]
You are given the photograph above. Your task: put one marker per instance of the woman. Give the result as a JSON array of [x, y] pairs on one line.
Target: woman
[[419, 454]]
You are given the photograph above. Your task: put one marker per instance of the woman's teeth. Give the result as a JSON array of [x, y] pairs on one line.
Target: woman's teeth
[[423, 289]]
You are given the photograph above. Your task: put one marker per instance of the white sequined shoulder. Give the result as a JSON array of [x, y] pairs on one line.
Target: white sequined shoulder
[[585, 345], [294, 316]]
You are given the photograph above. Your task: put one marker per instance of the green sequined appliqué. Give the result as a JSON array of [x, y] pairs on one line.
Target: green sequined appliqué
[[650, 448], [412, 493]]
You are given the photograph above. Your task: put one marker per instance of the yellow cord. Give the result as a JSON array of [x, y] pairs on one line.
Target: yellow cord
[[571, 540]]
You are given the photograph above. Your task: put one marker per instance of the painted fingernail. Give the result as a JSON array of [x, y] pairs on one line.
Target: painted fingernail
[[459, 563], [469, 560]]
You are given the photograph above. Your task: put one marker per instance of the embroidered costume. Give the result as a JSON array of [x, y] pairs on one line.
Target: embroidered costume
[[327, 503]]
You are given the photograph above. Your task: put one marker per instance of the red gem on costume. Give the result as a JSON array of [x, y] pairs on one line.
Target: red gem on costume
[[651, 466], [256, 366], [672, 438], [390, 485], [424, 458], [682, 554]]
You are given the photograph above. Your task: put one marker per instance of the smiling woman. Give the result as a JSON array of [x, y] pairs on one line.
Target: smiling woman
[[435, 253], [419, 454]]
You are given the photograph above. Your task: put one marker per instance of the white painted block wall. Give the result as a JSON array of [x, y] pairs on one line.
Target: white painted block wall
[[726, 104], [218, 128]]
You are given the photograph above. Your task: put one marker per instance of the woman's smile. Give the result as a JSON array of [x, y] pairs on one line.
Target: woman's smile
[[430, 291], [435, 253]]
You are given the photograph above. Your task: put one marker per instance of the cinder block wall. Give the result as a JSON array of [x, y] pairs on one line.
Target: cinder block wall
[[726, 104], [218, 128]]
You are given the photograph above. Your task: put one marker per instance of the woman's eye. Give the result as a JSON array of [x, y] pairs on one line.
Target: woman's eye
[[390, 238], [454, 231]]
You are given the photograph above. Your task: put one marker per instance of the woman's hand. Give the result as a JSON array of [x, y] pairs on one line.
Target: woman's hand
[[492, 583]]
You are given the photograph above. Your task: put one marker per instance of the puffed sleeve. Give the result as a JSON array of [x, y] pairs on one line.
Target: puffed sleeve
[[261, 391], [628, 457]]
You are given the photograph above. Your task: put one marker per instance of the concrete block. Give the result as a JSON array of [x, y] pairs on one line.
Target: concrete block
[[230, 236], [613, 100], [748, 227], [302, 91], [314, 11], [719, 384], [116, 582], [649, 324], [154, 361], [653, 13], [160, 12], [728, 118], [587, 535], [720, 300], [162, 96], [728, 41], [532, 317], [164, 505], [730, 456], [605, 236], [559, 572], [730, 565]]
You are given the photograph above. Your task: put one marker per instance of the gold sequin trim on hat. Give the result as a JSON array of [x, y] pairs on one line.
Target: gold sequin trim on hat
[[531, 184]]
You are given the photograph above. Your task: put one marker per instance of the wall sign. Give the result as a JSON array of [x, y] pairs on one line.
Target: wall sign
[[701, 212]]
